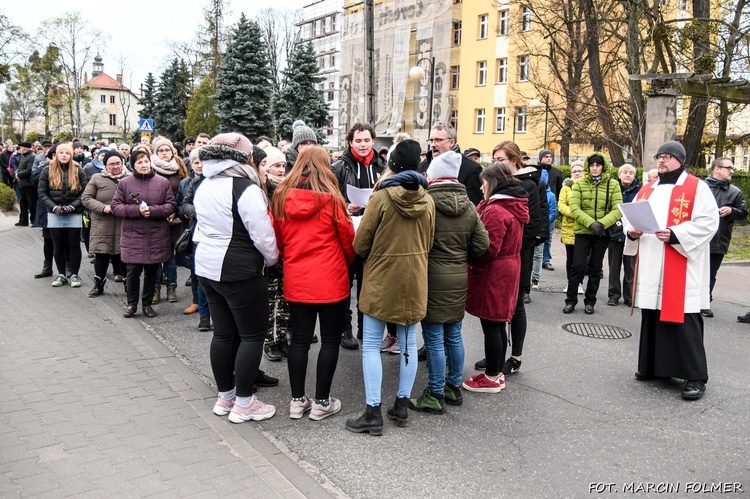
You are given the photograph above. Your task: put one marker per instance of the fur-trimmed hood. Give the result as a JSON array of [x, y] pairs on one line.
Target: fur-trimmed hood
[[219, 152]]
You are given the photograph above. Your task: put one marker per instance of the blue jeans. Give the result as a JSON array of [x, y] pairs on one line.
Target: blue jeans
[[548, 243], [372, 365], [443, 343], [202, 301], [536, 269], [171, 266]]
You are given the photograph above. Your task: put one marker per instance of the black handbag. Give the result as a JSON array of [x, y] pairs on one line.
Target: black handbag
[[183, 248], [614, 231]]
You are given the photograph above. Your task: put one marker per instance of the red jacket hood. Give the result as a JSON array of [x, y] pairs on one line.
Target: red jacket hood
[[304, 203], [518, 207]]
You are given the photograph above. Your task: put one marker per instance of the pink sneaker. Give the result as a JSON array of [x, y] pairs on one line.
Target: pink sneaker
[[481, 383], [223, 406], [320, 411], [388, 341], [297, 409], [256, 411]]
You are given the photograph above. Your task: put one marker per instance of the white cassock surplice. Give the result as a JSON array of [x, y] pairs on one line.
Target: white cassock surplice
[[674, 349]]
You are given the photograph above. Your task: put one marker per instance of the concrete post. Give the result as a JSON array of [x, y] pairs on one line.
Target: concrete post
[[661, 124]]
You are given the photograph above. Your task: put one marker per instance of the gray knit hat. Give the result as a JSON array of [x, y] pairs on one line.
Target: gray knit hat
[[545, 152], [675, 149], [444, 166], [302, 133]]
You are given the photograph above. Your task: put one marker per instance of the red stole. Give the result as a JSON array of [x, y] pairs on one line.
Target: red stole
[[675, 265]]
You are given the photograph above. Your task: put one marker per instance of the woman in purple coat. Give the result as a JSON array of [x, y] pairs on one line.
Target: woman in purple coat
[[145, 201]]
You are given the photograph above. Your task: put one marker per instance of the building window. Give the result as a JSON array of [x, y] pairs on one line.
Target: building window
[[455, 73], [330, 91], [682, 5], [454, 119], [103, 99], [482, 73], [502, 70], [332, 60], [321, 61], [526, 18], [111, 99], [484, 26], [112, 120], [499, 120], [523, 68], [333, 22], [503, 23], [521, 114], [480, 120], [456, 33]]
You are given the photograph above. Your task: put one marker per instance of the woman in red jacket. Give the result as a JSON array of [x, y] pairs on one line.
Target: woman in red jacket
[[494, 277], [314, 235]]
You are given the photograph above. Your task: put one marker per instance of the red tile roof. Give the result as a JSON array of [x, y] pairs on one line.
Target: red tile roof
[[102, 80]]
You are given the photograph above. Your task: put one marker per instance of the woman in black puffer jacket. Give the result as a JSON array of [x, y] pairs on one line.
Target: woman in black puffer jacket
[[61, 185]]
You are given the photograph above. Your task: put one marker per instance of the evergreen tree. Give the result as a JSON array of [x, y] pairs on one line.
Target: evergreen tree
[[300, 96], [244, 87], [148, 99], [172, 97], [201, 111]]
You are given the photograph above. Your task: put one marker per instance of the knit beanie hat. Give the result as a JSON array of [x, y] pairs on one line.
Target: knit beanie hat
[[258, 155], [104, 150], [110, 154], [444, 166], [27, 145], [76, 145], [64, 147], [230, 145], [405, 156], [675, 149], [545, 152], [596, 159], [303, 133], [274, 155], [160, 141]]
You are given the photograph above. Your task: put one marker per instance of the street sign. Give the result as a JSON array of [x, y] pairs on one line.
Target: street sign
[[146, 125]]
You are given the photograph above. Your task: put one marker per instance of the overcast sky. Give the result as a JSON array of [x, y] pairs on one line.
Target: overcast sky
[[139, 30]]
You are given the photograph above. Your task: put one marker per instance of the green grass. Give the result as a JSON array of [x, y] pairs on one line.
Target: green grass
[[739, 248]]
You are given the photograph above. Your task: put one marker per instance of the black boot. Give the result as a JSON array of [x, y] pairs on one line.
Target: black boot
[[370, 422], [98, 288], [46, 270], [400, 411], [347, 340]]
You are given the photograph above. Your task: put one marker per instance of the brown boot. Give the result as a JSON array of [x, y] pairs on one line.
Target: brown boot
[[172, 293], [157, 295]]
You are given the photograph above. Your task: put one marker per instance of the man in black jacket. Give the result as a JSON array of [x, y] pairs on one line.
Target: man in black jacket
[[731, 208], [28, 191], [442, 139]]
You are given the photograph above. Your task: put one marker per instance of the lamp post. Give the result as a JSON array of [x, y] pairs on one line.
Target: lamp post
[[535, 103], [417, 73]]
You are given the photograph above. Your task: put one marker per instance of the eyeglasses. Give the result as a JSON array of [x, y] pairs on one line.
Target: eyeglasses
[[119, 163], [730, 168], [164, 149], [437, 140], [663, 157], [500, 159]]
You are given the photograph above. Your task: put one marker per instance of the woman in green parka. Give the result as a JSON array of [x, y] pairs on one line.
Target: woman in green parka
[[593, 205]]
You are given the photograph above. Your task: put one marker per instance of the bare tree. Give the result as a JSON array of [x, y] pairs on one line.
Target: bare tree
[[22, 104], [279, 29], [126, 99], [76, 38]]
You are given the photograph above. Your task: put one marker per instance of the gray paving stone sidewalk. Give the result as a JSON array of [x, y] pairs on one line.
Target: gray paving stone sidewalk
[[91, 404]]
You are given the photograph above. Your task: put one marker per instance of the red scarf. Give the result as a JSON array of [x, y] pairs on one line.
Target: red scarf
[[675, 265], [366, 160]]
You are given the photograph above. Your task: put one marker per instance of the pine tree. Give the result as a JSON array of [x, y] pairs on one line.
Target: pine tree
[[300, 96], [148, 99], [172, 97], [244, 88], [201, 111]]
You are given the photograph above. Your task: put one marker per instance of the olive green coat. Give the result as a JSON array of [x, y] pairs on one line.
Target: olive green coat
[[105, 227], [459, 236], [395, 237], [588, 202]]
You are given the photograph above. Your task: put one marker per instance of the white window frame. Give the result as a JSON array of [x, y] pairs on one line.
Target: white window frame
[[524, 68], [503, 26], [457, 26], [482, 73], [484, 26], [455, 77], [480, 120], [522, 114], [526, 14], [502, 70], [499, 120]]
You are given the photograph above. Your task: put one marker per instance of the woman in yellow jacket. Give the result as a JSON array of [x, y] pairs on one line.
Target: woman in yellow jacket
[[568, 222]]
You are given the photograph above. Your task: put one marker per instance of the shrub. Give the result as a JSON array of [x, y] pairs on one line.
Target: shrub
[[7, 197]]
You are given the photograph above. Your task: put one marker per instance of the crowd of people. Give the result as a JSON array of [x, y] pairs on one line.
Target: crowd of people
[[277, 235]]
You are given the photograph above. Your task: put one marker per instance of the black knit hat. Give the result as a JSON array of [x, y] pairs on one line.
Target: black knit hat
[[258, 155], [674, 148], [112, 153], [405, 156]]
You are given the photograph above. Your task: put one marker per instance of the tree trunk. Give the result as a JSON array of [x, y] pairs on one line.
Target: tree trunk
[[637, 101], [696, 122]]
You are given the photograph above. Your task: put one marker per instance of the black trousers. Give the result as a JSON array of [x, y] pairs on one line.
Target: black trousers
[[586, 245], [29, 198], [672, 349], [67, 244], [48, 248], [495, 345], [133, 283], [715, 260], [617, 261], [302, 318], [101, 263], [527, 263], [240, 313]]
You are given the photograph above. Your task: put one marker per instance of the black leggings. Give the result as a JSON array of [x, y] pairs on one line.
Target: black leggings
[[302, 320], [133, 283], [67, 246], [518, 326], [495, 345], [101, 263], [49, 247]]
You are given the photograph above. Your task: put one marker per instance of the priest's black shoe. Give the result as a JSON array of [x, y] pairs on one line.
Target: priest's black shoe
[[272, 352], [693, 390], [744, 318], [706, 312], [569, 308], [643, 377], [588, 310]]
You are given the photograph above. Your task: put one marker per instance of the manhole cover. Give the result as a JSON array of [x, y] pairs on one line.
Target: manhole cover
[[601, 331]]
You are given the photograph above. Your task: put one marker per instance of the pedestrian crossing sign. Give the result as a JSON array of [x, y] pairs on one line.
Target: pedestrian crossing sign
[[146, 125]]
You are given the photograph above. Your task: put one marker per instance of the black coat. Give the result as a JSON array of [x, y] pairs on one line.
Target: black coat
[[25, 165], [345, 171], [63, 196], [537, 230], [730, 195], [468, 175], [554, 179]]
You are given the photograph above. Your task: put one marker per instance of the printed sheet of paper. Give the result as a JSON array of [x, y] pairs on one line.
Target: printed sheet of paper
[[358, 197], [640, 216], [356, 221]]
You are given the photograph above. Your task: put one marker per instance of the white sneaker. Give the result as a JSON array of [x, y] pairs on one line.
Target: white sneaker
[[255, 411], [320, 411], [298, 408]]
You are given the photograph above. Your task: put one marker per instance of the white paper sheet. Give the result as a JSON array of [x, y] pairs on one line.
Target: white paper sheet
[[356, 221], [640, 216], [358, 197]]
